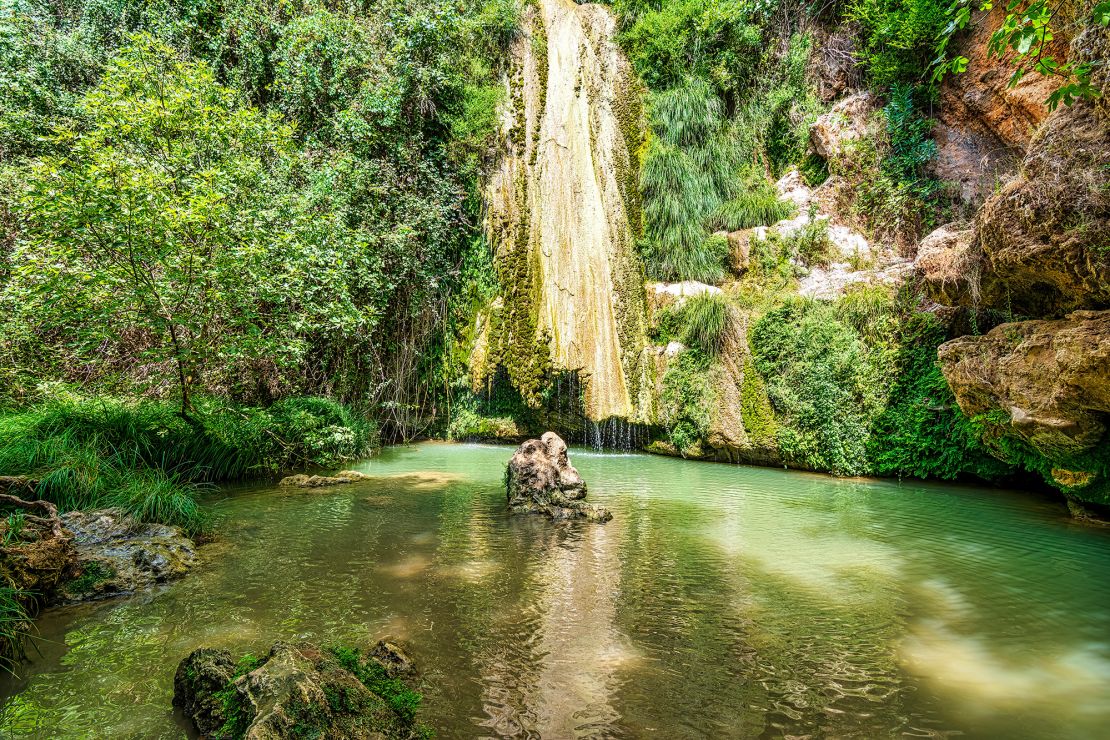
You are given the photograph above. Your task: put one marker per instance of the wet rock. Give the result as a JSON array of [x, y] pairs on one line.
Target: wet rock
[[301, 480], [295, 691], [1050, 379], [393, 658], [541, 480], [120, 555]]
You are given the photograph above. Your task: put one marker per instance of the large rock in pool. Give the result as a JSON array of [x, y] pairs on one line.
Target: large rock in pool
[[298, 691], [541, 480]]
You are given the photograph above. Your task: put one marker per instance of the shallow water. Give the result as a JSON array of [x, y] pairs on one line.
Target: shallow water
[[720, 601]]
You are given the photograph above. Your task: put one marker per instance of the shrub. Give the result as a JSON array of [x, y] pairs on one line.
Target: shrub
[[822, 384], [686, 404], [705, 319], [898, 37], [922, 432]]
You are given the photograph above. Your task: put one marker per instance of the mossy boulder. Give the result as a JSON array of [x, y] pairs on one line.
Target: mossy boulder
[[298, 691]]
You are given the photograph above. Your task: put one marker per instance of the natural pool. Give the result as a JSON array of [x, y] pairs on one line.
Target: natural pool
[[721, 601]]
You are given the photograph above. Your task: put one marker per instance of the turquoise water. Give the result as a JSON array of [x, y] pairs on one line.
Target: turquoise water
[[721, 601]]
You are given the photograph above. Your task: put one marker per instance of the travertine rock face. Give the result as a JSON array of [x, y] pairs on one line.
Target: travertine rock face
[[1052, 378], [1045, 237], [541, 480], [845, 122], [561, 205]]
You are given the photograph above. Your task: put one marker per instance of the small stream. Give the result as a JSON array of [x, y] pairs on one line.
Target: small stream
[[721, 601]]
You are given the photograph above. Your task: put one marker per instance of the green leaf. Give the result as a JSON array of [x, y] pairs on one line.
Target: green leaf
[[1102, 14]]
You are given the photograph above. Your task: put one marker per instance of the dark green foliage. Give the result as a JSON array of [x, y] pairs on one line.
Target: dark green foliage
[[686, 405], [716, 40], [15, 625], [93, 573], [898, 37], [922, 432], [822, 383], [147, 459]]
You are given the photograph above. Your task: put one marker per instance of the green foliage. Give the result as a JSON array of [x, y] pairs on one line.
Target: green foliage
[[898, 37], [686, 404], [922, 432], [895, 196], [400, 698], [715, 40], [688, 172], [93, 573], [706, 318], [148, 460], [15, 625], [756, 205], [823, 384]]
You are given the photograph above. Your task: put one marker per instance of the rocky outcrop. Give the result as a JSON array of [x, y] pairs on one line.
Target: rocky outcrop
[[541, 480], [301, 480], [295, 691], [983, 124], [1051, 378], [561, 205], [119, 555], [845, 122], [1045, 236], [947, 265]]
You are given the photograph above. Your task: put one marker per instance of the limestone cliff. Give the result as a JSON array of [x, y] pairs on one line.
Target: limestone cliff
[[561, 209]]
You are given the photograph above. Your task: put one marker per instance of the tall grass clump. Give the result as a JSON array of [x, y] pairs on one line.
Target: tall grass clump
[[705, 319], [688, 172], [15, 625], [144, 457], [756, 205]]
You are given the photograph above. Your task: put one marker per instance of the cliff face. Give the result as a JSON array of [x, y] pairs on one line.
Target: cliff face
[[561, 207], [1041, 248]]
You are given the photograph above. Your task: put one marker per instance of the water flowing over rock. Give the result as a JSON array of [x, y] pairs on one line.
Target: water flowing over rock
[[541, 480], [560, 206], [120, 555], [295, 691]]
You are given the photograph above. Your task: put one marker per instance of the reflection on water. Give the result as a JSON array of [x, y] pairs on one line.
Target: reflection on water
[[720, 601]]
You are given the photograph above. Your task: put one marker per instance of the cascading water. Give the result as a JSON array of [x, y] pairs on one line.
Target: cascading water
[[561, 205]]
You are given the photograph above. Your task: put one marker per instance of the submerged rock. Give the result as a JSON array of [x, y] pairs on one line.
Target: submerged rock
[[120, 555], [300, 480], [297, 691], [541, 480]]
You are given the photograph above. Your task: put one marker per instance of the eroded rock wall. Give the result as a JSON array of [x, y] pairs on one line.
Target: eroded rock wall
[[561, 210]]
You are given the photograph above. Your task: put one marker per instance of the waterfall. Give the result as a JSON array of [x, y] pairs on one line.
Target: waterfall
[[562, 199]]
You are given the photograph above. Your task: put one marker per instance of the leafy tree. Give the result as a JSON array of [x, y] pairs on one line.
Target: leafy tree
[[160, 225]]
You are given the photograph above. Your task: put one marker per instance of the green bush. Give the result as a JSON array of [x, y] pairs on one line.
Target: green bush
[[898, 37], [145, 458], [686, 404], [822, 383], [922, 432], [688, 172], [757, 205], [706, 318]]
